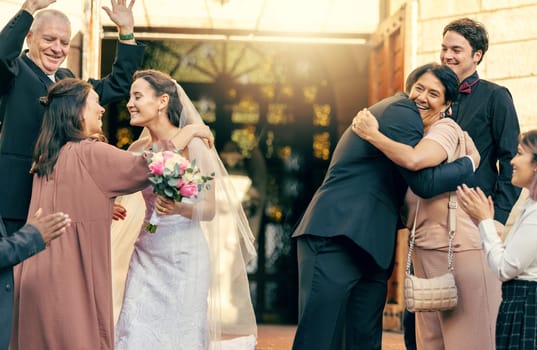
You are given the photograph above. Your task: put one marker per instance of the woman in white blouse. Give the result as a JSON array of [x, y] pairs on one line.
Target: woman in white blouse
[[514, 260]]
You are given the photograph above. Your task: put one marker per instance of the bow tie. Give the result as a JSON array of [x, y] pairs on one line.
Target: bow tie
[[466, 88]]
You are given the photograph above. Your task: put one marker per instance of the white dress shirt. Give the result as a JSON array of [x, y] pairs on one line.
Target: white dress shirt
[[517, 256]]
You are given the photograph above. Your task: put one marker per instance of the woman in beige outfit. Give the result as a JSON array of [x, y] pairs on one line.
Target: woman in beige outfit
[[471, 325]]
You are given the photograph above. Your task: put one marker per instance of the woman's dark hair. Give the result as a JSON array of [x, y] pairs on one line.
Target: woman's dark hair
[[529, 141], [162, 83], [62, 122], [473, 31], [446, 75]]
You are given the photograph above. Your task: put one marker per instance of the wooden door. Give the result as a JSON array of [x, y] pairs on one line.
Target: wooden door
[[386, 77]]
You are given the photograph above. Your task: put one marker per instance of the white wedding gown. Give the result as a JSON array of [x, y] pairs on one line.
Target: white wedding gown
[[165, 302]]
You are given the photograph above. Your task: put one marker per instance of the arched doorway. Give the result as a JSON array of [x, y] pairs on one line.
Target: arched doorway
[[275, 101]]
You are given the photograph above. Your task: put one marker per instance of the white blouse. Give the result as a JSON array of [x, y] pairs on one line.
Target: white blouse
[[517, 256]]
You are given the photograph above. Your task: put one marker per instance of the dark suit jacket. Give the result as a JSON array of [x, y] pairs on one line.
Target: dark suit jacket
[[21, 85], [13, 249], [363, 190]]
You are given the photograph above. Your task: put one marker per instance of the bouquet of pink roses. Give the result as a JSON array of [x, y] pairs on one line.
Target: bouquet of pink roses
[[174, 177]]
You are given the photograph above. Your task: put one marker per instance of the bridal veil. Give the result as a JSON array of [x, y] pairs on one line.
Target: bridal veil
[[232, 323]]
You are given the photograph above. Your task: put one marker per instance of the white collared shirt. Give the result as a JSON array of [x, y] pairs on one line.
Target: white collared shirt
[[517, 256]]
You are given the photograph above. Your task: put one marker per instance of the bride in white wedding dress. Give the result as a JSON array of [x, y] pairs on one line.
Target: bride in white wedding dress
[[172, 294]]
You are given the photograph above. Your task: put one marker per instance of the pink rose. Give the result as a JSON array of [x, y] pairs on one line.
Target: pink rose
[[189, 190], [157, 168], [167, 155], [179, 183]]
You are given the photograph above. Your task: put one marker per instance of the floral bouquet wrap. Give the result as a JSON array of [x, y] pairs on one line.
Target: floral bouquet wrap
[[174, 177]]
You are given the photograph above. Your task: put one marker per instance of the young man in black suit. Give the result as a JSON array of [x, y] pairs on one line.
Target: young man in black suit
[[20, 245], [24, 78], [486, 111]]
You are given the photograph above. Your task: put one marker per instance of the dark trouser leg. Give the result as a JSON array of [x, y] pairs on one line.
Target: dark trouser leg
[[325, 275], [332, 270], [366, 305], [409, 326], [409, 330]]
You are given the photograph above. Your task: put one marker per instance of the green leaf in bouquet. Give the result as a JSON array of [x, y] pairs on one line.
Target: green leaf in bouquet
[[151, 228], [168, 192], [207, 178], [167, 172], [173, 181]]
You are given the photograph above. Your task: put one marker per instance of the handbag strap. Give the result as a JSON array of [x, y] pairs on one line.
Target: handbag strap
[[452, 225], [412, 239]]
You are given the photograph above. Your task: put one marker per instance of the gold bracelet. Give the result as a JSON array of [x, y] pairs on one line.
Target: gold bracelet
[[129, 36]]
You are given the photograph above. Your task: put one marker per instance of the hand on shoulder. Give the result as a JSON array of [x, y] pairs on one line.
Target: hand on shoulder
[[191, 131]]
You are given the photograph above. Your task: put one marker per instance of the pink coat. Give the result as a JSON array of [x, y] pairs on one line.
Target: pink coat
[[63, 295]]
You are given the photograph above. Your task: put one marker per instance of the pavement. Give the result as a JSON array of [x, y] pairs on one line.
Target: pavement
[[280, 337]]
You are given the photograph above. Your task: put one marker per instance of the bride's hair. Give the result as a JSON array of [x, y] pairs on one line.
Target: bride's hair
[[162, 84], [62, 122]]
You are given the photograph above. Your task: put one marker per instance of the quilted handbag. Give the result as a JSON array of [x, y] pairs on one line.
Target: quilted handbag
[[437, 293]]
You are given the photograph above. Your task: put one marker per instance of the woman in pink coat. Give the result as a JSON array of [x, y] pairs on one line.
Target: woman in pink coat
[[63, 295]]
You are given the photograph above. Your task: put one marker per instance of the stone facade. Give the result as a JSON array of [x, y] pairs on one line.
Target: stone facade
[[511, 26], [512, 43]]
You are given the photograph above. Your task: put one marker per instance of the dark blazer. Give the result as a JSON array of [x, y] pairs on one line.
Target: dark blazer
[[13, 249], [22, 83], [363, 191]]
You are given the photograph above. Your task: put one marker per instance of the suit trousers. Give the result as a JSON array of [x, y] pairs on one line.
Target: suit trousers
[[342, 293]]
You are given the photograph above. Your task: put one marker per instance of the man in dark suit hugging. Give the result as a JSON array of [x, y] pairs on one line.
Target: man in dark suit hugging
[[346, 238]]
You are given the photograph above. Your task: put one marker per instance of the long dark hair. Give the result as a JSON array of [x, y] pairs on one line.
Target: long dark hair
[[62, 122], [446, 75], [162, 83], [529, 141]]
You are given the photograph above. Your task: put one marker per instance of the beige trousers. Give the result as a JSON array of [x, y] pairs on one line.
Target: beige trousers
[[472, 324]]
